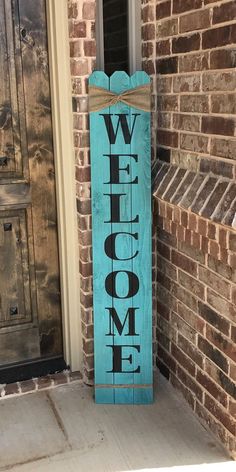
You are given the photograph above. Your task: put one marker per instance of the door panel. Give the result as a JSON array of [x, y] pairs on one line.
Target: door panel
[[30, 308]]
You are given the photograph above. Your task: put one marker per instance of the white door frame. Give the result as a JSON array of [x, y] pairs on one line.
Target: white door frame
[[61, 97]]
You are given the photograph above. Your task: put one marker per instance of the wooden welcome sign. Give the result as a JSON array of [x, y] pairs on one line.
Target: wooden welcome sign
[[121, 228]]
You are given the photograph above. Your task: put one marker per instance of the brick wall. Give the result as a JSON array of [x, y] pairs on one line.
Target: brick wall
[[81, 15], [195, 205], [189, 49]]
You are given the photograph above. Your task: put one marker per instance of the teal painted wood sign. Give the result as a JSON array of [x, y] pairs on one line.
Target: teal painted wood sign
[[121, 236]]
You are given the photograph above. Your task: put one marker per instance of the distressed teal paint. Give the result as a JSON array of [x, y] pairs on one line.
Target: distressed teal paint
[[124, 387]]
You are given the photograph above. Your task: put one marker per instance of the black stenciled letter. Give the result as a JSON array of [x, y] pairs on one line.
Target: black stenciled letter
[[117, 360], [122, 120], [110, 246], [115, 168], [133, 284], [115, 208], [115, 320]]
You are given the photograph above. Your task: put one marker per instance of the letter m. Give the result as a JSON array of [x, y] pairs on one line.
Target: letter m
[[129, 319]]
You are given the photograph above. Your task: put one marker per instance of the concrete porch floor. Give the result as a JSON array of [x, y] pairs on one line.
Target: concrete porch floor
[[62, 430]]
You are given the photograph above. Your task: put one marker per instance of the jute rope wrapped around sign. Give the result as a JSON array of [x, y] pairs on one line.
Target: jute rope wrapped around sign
[[138, 97]]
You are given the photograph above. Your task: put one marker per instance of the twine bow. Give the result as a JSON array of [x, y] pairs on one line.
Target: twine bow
[[138, 97]]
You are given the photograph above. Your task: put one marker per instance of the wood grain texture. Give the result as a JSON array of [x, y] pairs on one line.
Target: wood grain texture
[[29, 278], [123, 386]]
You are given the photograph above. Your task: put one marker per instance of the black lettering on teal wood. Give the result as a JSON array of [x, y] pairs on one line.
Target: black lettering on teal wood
[[121, 229]]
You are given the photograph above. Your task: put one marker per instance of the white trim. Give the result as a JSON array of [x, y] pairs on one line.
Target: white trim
[[99, 35], [134, 32], [58, 45]]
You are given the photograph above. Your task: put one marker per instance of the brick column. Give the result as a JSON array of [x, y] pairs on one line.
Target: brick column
[[81, 15], [195, 190]]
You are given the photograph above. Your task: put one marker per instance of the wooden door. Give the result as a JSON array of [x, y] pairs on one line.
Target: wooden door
[[30, 309]]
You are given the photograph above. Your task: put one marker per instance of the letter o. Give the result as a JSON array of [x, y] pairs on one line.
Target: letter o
[[133, 284]]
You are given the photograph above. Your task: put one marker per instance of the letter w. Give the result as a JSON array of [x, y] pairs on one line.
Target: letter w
[[122, 120], [130, 315]]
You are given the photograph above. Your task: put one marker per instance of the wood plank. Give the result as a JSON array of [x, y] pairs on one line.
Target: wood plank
[[100, 171], [142, 265]]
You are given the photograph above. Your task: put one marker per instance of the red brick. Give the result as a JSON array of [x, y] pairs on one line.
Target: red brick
[[221, 342], [216, 37], [168, 138], [163, 84], [223, 106], [73, 10], [27, 386], [204, 244], [212, 388], [184, 263], [195, 21], [166, 358], [148, 32], [220, 414], [167, 28], [186, 83], [191, 284], [218, 125], [213, 280], [148, 14], [190, 317], [221, 305], [194, 103], [220, 378], [44, 382], [163, 48], [184, 219], [89, 11], [186, 43], [163, 10], [167, 66], [232, 242], [223, 237], [167, 102], [214, 318], [214, 354], [179, 6], [79, 67], [190, 350], [184, 328], [219, 81], [194, 142], [147, 49], [194, 62], [192, 221], [225, 12], [78, 29], [90, 48], [196, 240], [190, 383], [182, 359], [163, 250], [180, 233], [12, 389], [202, 227], [223, 59], [223, 148]]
